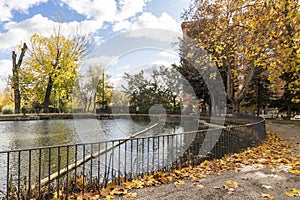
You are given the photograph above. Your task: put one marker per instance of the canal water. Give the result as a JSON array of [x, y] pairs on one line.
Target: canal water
[[31, 134], [39, 164]]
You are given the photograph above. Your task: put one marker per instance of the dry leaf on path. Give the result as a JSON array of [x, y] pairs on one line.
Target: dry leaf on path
[[267, 196], [130, 195], [267, 186], [180, 182], [233, 184], [231, 191], [294, 192], [199, 186]]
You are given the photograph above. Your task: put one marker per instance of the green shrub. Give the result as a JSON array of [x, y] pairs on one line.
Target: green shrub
[[8, 109]]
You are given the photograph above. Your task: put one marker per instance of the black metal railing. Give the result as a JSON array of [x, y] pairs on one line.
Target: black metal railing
[[38, 173]]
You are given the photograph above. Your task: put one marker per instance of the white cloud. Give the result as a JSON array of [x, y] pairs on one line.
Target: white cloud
[[117, 80], [22, 31], [100, 10], [162, 62], [125, 24], [107, 10], [5, 67], [7, 6], [5, 70], [125, 67], [103, 61], [163, 28], [97, 13], [148, 20], [130, 8], [168, 54], [5, 13]]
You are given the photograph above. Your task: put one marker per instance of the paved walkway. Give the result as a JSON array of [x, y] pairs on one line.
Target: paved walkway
[[250, 179], [288, 130]]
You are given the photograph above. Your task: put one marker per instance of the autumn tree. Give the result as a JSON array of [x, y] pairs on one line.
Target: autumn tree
[[161, 85], [259, 93], [51, 67], [233, 33], [6, 97], [284, 59], [119, 101], [93, 89]]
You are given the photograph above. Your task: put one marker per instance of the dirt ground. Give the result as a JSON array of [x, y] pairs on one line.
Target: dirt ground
[[253, 182]]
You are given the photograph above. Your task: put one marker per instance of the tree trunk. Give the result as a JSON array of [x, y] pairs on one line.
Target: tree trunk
[[85, 104], [94, 103], [258, 109], [289, 108], [89, 104], [236, 106], [47, 95], [257, 98], [15, 81]]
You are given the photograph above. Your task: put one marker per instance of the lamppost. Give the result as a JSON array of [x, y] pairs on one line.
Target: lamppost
[[103, 89], [174, 95], [134, 103]]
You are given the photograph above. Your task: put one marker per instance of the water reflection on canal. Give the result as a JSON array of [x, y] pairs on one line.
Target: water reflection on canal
[[31, 134]]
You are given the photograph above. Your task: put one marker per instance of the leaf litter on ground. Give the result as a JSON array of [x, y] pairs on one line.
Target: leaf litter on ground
[[273, 152]]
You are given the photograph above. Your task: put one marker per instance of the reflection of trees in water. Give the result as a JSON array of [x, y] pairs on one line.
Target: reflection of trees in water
[[35, 163], [27, 134]]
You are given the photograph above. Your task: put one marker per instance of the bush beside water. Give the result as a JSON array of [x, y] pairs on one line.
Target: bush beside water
[[8, 109]]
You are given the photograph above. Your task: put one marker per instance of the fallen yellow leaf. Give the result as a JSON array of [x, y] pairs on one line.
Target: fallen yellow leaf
[[267, 186], [267, 196], [272, 175], [199, 186], [137, 184], [130, 195], [179, 182], [231, 183], [119, 191], [292, 171], [295, 192], [109, 197], [289, 194]]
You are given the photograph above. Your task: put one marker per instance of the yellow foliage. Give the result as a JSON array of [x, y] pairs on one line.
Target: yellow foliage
[[55, 57]]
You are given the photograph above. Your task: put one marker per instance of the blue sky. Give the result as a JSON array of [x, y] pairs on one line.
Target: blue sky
[[142, 22]]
